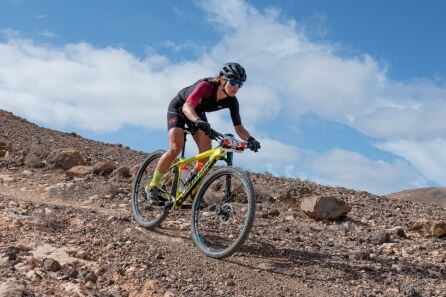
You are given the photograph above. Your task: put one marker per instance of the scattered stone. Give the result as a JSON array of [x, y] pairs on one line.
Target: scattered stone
[[65, 158], [363, 255], [33, 161], [4, 151], [72, 288], [159, 256], [87, 275], [324, 207], [50, 264], [11, 253], [122, 172], [79, 171], [410, 291], [439, 229], [381, 237], [103, 168], [10, 288], [69, 271], [398, 231]]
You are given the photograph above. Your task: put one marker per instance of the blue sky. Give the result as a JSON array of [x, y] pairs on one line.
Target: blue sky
[[347, 93]]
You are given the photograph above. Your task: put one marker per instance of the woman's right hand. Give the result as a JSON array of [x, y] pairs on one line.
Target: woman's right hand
[[203, 126]]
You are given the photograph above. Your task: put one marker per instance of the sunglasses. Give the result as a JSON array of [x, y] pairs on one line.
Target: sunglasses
[[234, 83]]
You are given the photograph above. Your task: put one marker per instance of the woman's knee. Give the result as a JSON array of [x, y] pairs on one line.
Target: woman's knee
[[174, 150]]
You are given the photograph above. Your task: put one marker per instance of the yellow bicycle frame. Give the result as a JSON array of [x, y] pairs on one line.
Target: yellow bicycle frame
[[214, 155]]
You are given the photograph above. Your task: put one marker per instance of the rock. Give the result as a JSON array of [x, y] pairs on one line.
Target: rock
[[58, 254], [10, 288], [72, 289], [79, 171], [11, 253], [4, 151], [360, 255], [50, 264], [87, 275], [6, 178], [410, 291], [69, 271], [103, 167], [398, 231], [439, 229], [33, 161], [22, 268], [122, 172], [381, 237], [65, 158], [324, 207]]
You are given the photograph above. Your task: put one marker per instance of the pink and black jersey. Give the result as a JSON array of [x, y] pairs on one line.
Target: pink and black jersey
[[203, 96]]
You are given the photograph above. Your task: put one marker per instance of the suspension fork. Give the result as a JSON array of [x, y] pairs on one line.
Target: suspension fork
[[229, 159]]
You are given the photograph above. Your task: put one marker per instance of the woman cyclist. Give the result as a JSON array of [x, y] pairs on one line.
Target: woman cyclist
[[189, 108]]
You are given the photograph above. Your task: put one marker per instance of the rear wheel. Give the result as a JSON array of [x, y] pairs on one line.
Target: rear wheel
[[146, 213], [223, 212]]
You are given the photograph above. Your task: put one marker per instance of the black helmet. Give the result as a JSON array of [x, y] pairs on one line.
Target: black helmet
[[234, 71]]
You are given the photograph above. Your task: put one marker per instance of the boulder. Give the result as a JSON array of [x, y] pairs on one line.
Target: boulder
[[103, 167], [381, 237], [4, 151], [49, 264], [65, 158], [122, 172], [33, 161], [79, 171], [439, 229], [324, 207]]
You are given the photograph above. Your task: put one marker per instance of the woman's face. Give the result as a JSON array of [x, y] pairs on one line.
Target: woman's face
[[230, 90]]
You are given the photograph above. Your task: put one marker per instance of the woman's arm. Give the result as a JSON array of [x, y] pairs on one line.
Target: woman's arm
[[189, 111], [242, 132]]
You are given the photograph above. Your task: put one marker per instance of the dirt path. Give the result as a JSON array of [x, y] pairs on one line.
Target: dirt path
[[287, 254], [168, 253]]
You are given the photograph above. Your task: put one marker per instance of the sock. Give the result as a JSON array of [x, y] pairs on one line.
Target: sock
[[156, 179]]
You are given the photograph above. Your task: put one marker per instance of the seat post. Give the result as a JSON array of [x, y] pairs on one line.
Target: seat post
[[184, 145]]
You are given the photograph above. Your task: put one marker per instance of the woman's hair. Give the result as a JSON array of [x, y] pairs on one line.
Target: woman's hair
[[213, 80]]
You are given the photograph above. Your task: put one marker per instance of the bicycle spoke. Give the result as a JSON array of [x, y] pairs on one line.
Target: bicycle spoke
[[146, 212], [224, 223]]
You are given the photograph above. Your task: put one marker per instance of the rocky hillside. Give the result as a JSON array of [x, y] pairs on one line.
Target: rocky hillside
[[434, 196], [67, 230]]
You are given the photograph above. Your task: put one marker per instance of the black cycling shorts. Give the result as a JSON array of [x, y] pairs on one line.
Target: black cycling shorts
[[175, 118]]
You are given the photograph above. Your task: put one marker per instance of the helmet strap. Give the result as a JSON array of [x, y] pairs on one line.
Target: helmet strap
[[224, 89]]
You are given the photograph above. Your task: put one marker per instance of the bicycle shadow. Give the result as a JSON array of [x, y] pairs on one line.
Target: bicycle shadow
[[301, 264]]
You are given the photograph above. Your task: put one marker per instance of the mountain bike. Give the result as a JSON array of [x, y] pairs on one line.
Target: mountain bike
[[224, 202]]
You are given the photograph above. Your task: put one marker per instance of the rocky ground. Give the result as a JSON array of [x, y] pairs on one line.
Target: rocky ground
[[70, 232]]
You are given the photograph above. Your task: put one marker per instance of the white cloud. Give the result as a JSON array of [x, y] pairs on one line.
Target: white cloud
[[48, 34], [412, 111], [352, 170], [102, 89], [427, 156], [274, 156], [89, 88]]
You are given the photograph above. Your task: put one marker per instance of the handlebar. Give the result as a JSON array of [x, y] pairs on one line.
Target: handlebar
[[217, 136]]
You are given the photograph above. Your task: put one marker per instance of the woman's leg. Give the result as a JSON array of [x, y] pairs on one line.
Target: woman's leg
[[176, 143], [204, 143]]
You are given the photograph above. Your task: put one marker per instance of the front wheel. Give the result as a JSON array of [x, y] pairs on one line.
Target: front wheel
[[223, 212]]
